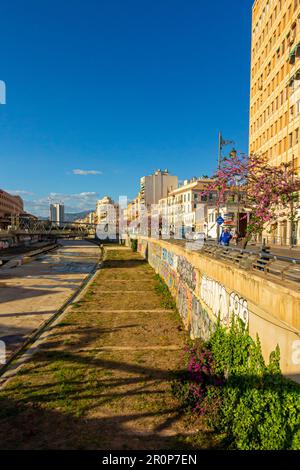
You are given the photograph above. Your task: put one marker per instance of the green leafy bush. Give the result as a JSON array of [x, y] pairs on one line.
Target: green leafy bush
[[134, 243], [255, 406]]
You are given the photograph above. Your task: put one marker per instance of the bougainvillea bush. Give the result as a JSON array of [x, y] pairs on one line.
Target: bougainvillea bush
[[242, 397], [192, 386]]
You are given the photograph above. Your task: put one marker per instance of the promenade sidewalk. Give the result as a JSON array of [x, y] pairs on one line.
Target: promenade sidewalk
[[102, 378]]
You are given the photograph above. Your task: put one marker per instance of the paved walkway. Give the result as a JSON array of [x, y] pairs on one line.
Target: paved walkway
[[102, 378]]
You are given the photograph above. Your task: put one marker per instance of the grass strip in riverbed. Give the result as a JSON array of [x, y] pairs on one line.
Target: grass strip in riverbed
[[101, 380]]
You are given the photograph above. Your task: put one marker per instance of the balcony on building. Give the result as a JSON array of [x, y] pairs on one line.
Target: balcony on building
[[294, 54]]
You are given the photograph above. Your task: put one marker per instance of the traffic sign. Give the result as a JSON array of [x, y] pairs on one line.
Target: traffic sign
[[220, 220]]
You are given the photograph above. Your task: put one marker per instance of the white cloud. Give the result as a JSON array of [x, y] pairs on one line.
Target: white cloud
[[76, 202], [86, 172], [19, 192]]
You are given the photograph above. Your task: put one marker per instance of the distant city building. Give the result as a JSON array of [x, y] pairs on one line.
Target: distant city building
[[10, 205], [91, 217], [57, 213], [132, 211], [106, 211], [88, 219], [107, 218], [156, 186]]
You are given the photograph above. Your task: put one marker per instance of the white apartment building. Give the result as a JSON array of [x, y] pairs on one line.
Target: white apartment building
[[57, 213], [106, 218], [106, 210], [186, 206]]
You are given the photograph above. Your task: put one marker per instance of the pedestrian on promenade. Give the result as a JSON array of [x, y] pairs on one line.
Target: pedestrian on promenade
[[225, 237], [236, 237]]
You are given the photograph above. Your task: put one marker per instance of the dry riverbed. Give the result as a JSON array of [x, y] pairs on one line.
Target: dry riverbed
[[102, 377]]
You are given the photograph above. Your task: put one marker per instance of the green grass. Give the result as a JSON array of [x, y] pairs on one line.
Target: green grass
[[68, 392], [162, 289]]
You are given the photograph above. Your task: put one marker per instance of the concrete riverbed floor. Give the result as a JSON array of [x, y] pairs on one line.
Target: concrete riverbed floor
[[31, 293], [102, 377]]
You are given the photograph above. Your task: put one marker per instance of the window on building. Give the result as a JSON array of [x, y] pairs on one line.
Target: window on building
[[281, 98]]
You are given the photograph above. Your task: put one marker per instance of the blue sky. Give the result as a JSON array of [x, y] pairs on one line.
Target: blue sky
[[118, 88]]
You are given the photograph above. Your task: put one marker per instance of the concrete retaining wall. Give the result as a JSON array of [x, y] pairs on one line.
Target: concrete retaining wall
[[205, 288]]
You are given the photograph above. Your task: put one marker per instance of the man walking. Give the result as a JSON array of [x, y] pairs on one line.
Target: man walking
[[225, 237]]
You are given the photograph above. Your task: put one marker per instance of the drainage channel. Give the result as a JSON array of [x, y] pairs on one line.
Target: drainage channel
[[36, 335]]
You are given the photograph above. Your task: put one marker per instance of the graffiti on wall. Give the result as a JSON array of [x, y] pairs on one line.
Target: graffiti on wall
[[199, 307], [142, 247], [187, 272], [170, 258], [168, 275], [154, 256], [201, 324], [214, 295], [238, 307], [183, 303], [4, 245]]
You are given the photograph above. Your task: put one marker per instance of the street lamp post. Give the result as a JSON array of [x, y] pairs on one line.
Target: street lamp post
[[222, 144], [292, 209]]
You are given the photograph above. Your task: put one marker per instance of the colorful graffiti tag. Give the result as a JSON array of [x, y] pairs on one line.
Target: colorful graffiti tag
[[214, 295], [187, 272], [4, 245], [183, 303], [170, 258], [200, 300], [238, 307], [201, 324], [142, 247]]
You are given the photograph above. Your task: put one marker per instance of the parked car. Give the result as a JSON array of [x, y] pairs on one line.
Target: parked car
[[199, 236]]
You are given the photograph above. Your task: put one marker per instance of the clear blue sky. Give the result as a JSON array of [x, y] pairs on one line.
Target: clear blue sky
[[121, 88]]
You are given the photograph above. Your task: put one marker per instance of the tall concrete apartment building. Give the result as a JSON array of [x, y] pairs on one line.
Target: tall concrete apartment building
[[57, 213], [275, 92], [156, 186]]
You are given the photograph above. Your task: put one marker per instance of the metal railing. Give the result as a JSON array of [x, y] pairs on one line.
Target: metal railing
[[261, 259], [32, 226], [279, 241]]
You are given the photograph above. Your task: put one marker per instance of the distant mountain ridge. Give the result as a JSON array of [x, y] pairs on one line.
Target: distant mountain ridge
[[71, 216]]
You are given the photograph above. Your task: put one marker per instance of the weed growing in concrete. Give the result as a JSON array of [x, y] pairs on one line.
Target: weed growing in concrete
[[133, 243], [162, 289]]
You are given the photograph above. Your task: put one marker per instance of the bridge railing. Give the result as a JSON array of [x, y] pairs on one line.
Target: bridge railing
[[32, 226]]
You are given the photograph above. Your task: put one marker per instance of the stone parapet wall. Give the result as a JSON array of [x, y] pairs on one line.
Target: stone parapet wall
[[206, 288]]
